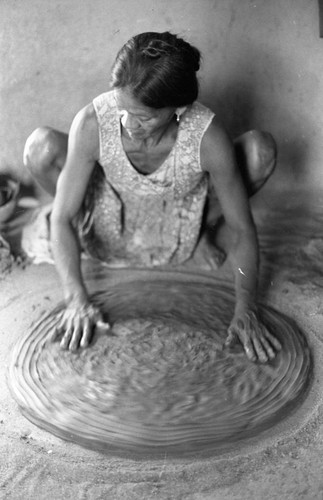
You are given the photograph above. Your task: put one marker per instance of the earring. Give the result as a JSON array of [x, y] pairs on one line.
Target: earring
[[179, 112]]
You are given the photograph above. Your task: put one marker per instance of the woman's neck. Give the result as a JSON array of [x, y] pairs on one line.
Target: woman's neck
[[148, 154], [154, 139]]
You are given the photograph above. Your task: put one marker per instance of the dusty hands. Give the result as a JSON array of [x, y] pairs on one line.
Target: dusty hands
[[77, 324], [258, 343]]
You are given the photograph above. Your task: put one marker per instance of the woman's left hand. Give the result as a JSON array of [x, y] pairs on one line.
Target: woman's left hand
[[259, 344]]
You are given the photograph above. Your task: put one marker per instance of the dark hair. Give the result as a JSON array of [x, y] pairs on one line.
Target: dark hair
[[159, 69]]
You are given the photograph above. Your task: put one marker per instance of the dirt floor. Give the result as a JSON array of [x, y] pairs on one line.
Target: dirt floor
[[283, 463]]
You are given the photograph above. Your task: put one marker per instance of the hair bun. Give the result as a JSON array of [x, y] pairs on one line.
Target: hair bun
[[172, 45], [191, 54], [157, 48], [195, 58]]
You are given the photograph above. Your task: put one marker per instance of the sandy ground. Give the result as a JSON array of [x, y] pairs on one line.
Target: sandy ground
[[282, 463]]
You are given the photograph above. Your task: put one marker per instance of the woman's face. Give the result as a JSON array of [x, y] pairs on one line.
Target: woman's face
[[140, 121]]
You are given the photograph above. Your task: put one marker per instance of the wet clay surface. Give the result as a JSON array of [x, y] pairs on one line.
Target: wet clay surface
[[161, 381], [282, 462]]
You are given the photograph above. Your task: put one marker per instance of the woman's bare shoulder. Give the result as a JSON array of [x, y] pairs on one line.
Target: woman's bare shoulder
[[216, 147], [86, 119], [84, 131]]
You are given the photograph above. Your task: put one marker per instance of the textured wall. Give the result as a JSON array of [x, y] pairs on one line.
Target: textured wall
[[261, 68]]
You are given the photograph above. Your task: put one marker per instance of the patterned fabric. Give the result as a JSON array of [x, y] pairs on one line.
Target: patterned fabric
[[145, 220]]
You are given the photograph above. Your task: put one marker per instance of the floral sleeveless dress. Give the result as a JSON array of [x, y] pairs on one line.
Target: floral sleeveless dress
[[145, 220]]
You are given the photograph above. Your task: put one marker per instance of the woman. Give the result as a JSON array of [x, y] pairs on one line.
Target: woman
[[135, 170]]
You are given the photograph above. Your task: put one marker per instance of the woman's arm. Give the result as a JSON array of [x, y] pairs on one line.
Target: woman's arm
[[218, 158], [80, 316]]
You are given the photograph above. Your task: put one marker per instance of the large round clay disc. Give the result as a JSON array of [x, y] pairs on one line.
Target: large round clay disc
[[160, 381]]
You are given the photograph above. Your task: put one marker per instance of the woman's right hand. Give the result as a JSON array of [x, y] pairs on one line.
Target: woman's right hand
[[77, 324]]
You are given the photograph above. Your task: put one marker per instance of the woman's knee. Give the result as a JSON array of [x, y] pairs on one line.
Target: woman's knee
[[256, 153], [43, 151]]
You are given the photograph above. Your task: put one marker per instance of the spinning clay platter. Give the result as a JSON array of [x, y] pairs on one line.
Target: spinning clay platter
[[160, 381]]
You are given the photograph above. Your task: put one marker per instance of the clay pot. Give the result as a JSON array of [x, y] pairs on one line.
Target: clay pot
[[9, 189]]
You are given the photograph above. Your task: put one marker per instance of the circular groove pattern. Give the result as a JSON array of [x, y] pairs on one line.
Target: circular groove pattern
[[160, 381]]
